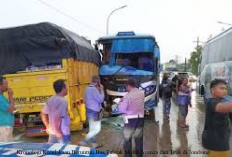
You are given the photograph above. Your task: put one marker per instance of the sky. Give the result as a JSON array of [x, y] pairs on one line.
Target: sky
[[175, 24]]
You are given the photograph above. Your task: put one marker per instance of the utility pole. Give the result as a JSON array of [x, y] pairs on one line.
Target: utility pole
[[185, 64], [197, 41], [177, 59]]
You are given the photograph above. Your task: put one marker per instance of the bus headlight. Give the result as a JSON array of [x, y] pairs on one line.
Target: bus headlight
[[122, 89], [149, 90]]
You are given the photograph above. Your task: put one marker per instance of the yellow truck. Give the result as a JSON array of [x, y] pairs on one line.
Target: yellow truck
[[43, 53]]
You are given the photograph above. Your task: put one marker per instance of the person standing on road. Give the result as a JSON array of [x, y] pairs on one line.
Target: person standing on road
[[184, 100], [217, 131], [54, 114], [6, 112], [132, 106], [165, 91], [94, 97]]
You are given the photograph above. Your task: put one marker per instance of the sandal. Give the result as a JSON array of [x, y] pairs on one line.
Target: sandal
[[166, 118], [99, 146], [96, 146], [156, 122], [185, 127]]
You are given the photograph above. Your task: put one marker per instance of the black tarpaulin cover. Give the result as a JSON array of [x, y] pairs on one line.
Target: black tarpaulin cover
[[41, 44]]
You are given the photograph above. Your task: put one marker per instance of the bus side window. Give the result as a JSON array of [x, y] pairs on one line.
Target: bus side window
[[106, 54]]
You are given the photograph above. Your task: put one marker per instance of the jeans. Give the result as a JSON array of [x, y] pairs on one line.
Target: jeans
[[53, 139], [66, 139], [133, 128], [93, 115], [166, 106], [94, 129]]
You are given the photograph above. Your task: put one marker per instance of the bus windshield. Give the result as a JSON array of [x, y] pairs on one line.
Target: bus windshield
[[140, 61]]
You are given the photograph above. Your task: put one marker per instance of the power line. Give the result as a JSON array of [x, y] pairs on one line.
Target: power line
[[72, 18]]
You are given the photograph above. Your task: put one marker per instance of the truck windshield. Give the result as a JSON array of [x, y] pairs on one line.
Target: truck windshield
[[140, 61]]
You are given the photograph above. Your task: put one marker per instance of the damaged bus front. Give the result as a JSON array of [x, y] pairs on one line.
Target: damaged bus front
[[129, 55]]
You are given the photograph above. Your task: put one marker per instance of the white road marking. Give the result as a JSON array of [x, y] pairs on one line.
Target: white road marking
[[56, 146], [70, 148], [10, 152], [112, 155], [84, 151], [16, 138]]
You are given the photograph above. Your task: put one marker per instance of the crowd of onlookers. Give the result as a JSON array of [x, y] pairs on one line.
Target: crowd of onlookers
[[57, 121], [179, 85], [215, 137], [217, 129]]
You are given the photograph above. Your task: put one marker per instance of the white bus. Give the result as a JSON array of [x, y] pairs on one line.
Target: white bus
[[216, 63]]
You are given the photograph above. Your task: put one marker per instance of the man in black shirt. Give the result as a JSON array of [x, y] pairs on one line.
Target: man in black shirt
[[216, 134]]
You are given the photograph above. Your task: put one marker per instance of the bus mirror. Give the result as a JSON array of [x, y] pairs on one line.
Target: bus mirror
[[96, 47]]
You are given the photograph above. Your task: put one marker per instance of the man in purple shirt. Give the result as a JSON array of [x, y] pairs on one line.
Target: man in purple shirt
[[53, 112], [132, 105], [94, 97]]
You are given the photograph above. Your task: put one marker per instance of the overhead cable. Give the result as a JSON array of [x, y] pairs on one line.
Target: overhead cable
[[71, 17]]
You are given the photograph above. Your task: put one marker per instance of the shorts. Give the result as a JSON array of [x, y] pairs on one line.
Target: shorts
[[184, 110], [53, 139], [6, 134]]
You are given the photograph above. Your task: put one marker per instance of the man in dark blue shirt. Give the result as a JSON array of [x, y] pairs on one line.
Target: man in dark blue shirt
[[216, 134]]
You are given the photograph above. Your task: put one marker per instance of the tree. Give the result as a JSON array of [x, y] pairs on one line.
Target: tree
[[172, 61], [194, 59]]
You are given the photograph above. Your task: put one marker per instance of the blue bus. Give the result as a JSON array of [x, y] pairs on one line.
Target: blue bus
[[129, 55]]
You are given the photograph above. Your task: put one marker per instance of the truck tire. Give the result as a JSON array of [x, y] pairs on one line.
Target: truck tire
[[86, 124]]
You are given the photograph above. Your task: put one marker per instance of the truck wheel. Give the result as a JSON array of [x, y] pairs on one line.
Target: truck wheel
[[85, 124]]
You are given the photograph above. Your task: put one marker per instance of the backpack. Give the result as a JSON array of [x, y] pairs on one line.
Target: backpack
[[165, 90]]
